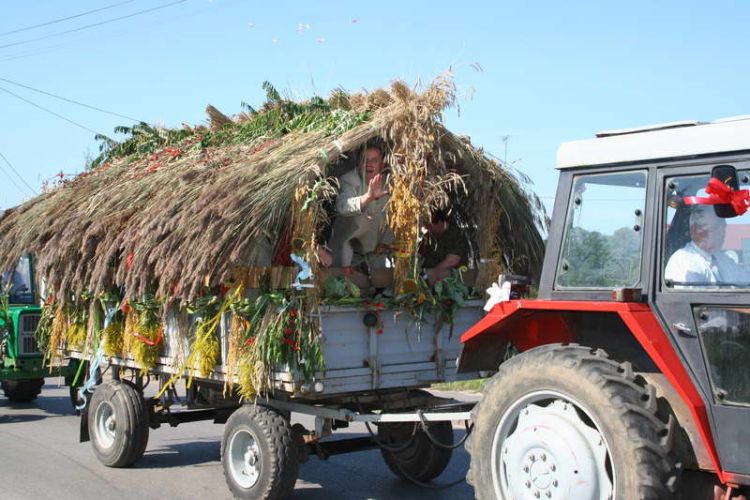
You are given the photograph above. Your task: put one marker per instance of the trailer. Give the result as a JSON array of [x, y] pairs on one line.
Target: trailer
[[374, 374], [198, 257]]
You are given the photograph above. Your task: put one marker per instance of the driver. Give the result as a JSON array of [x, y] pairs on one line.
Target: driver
[[701, 262]]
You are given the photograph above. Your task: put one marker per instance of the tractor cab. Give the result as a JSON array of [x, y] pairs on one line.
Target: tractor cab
[[646, 282]]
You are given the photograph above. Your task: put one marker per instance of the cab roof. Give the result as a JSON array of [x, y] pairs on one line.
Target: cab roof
[[659, 141]]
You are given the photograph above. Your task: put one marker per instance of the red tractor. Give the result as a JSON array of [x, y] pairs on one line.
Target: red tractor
[[631, 377]]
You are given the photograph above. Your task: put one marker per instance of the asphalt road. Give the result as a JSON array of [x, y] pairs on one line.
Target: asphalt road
[[40, 457]]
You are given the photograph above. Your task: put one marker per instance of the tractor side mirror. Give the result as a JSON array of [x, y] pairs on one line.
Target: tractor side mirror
[[728, 175]]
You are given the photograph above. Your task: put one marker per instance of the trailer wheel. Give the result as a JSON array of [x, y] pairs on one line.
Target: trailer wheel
[[258, 454], [568, 422], [22, 391], [421, 459], [118, 424]]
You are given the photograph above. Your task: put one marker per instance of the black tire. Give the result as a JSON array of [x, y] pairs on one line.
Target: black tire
[[22, 391], [267, 436], [595, 392], [422, 459], [124, 443]]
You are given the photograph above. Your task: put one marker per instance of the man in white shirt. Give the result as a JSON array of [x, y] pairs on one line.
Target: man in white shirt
[[701, 262], [360, 229]]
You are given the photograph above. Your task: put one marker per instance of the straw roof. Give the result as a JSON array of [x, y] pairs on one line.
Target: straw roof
[[174, 211]]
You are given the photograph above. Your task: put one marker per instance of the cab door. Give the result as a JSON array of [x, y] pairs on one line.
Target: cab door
[[707, 310]]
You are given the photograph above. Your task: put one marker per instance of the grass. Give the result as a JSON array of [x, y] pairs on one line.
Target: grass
[[474, 385]]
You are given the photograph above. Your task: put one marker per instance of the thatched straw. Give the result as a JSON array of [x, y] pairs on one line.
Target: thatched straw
[[173, 211]]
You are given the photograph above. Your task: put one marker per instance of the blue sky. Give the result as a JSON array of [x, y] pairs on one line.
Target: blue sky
[[550, 71]]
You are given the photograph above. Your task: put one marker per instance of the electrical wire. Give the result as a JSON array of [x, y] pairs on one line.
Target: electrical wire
[[50, 111], [10, 178], [55, 21], [33, 191], [93, 25], [70, 100], [66, 43]]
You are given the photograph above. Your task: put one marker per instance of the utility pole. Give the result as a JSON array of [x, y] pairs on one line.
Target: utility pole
[[505, 142]]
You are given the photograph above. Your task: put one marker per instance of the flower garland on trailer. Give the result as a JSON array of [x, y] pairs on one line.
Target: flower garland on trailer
[[282, 331], [206, 349], [77, 321], [144, 331]]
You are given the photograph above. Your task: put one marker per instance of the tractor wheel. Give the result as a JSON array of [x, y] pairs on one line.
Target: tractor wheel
[[258, 454], [567, 422], [118, 424], [422, 459], [22, 391]]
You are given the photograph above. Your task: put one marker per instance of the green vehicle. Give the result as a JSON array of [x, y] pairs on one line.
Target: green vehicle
[[22, 368]]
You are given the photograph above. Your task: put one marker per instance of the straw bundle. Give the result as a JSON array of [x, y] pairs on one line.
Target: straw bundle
[[172, 212]]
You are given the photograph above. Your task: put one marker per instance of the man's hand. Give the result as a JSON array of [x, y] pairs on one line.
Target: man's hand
[[325, 257], [375, 190]]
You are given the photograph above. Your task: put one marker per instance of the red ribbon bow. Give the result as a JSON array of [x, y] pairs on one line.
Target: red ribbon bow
[[721, 194]]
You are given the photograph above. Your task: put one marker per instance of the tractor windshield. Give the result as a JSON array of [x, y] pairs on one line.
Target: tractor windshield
[[19, 282], [703, 250]]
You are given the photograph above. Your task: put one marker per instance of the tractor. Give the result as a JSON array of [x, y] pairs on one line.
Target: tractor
[[631, 377], [21, 362]]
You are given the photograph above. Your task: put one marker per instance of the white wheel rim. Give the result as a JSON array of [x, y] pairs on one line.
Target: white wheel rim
[[548, 445], [106, 425], [244, 459]]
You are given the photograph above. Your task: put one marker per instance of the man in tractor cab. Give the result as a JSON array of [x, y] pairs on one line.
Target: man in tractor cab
[[701, 262]]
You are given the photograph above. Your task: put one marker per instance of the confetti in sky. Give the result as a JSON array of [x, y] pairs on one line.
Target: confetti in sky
[[355, 21], [321, 40]]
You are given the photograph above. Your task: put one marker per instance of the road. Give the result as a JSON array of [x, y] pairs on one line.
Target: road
[[40, 457]]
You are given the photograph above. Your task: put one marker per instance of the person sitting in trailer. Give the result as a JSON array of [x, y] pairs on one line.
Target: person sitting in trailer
[[360, 235], [702, 262], [443, 248]]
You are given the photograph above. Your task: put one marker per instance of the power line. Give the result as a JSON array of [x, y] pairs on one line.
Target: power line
[[33, 191], [93, 25], [71, 100], [176, 17], [11, 179], [54, 21], [50, 111]]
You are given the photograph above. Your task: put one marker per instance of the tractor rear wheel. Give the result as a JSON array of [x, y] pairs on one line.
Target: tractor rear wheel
[[22, 391], [565, 421], [118, 424]]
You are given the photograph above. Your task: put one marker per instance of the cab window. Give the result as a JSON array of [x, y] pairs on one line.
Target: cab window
[[603, 239], [19, 282], [701, 250]]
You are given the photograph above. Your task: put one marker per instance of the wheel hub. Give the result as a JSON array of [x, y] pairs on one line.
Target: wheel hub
[[106, 425], [541, 474], [550, 449], [244, 459]]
